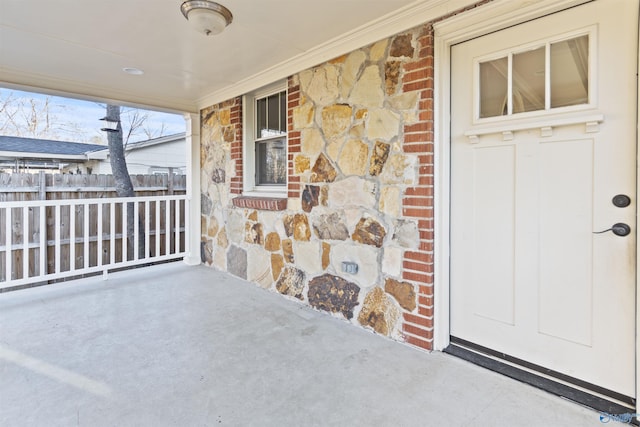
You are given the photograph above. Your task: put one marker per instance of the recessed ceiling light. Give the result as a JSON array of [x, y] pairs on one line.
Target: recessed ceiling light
[[133, 71]]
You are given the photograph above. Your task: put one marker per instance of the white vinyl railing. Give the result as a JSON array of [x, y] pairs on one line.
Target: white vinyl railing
[[55, 239]]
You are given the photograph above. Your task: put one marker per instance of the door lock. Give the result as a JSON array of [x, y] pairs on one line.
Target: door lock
[[621, 201], [619, 229]]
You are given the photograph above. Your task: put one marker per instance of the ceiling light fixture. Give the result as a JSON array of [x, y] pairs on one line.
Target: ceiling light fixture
[[206, 17]]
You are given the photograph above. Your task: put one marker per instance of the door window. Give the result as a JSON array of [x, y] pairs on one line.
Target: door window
[[552, 74]]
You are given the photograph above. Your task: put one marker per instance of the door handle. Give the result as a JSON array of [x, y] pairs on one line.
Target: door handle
[[619, 229]]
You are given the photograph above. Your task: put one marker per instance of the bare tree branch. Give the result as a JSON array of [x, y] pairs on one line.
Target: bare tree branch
[[37, 117]]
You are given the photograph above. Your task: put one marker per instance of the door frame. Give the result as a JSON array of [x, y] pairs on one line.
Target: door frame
[[488, 18]]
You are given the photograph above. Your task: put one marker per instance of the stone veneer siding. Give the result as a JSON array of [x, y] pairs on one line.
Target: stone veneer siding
[[360, 188]]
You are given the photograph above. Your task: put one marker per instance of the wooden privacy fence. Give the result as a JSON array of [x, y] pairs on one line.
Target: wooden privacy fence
[[88, 230], [16, 187]]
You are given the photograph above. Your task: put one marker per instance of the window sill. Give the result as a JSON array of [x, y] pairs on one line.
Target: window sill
[[268, 193], [260, 203]]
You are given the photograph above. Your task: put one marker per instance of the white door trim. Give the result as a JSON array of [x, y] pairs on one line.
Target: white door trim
[[482, 20], [638, 246]]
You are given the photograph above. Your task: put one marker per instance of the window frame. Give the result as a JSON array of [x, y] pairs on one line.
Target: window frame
[[249, 140], [590, 32]]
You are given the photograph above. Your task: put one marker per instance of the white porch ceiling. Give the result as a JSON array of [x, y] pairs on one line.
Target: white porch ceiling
[[80, 47]]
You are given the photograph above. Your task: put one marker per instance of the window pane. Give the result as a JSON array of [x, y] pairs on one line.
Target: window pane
[[271, 166], [261, 117], [528, 81], [493, 88], [570, 72], [273, 114]]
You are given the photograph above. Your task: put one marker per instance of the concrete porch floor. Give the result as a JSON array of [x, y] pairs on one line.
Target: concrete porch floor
[[173, 345]]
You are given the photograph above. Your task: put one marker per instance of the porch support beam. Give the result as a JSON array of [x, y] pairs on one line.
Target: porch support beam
[[192, 122]]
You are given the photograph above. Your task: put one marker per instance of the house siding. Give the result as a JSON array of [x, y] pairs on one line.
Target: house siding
[[147, 160], [360, 189]]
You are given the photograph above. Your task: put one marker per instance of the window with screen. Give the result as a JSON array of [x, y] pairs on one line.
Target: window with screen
[[270, 140]]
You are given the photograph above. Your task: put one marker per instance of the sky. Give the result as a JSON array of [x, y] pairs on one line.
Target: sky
[[74, 120]]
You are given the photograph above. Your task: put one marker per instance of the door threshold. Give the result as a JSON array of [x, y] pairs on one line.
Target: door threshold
[[606, 401]]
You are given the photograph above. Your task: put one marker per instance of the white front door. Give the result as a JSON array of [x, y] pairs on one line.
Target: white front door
[[543, 138]]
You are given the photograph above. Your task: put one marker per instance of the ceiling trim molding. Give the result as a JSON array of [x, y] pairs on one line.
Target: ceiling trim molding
[[403, 19], [497, 15]]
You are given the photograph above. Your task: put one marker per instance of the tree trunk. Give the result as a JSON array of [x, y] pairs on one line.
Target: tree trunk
[[123, 184], [124, 187]]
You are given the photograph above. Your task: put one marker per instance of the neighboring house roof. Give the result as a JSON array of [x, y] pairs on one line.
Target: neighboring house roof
[[12, 147], [15, 147], [155, 141], [104, 152]]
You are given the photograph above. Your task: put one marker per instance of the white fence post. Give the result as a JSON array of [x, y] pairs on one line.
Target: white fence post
[[8, 244]]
